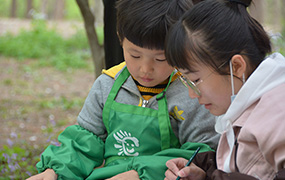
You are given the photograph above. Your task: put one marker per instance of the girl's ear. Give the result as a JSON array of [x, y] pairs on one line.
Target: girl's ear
[[239, 65]]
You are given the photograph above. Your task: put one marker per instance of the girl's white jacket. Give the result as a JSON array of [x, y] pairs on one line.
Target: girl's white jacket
[[256, 119]]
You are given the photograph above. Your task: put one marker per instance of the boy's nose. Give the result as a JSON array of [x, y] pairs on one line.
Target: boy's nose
[[147, 67]]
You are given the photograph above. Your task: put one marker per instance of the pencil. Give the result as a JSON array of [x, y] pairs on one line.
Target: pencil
[[190, 160]]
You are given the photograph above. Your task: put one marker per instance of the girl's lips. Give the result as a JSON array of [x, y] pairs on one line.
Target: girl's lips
[[207, 106]]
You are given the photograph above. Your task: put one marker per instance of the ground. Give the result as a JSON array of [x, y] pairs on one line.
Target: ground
[[36, 103]]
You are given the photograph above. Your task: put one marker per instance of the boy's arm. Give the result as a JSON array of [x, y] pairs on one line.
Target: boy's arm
[[80, 151], [82, 146], [48, 174], [90, 116]]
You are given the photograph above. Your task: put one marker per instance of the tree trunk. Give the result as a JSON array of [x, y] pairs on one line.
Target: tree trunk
[[13, 13], [29, 8], [277, 15], [44, 7], [282, 8], [256, 10], [96, 50], [59, 10], [98, 9]]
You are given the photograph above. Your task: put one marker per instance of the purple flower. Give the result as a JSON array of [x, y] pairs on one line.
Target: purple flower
[[4, 170], [52, 121], [28, 172], [13, 135], [55, 143], [48, 140], [10, 142], [12, 167], [14, 156], [17, 166], [5, 155]]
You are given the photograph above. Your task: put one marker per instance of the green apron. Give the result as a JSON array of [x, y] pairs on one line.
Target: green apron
[[139, 138], [134, 130]]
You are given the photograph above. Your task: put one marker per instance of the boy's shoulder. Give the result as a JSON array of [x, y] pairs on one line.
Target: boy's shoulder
[[113, 71]]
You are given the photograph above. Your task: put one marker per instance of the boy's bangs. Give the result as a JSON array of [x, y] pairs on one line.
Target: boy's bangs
[[149, 37]]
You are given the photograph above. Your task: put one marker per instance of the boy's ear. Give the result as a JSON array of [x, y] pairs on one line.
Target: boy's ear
[[121, 42], [239, 65]]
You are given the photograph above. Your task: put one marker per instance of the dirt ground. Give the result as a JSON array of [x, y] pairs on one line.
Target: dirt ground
[[26, 114]]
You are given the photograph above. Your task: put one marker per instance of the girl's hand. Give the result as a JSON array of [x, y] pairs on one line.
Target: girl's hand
[[48, 174], [176, 167]]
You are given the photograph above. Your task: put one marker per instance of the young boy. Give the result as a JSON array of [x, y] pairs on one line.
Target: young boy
[[134, 117]]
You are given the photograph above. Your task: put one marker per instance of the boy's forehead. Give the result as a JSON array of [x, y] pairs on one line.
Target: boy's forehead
[[133, 47]]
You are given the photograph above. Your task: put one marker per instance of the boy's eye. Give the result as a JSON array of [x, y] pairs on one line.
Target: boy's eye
[[161, 60], [135, 56]]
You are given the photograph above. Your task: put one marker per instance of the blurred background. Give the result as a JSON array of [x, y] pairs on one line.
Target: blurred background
[[47, 69]]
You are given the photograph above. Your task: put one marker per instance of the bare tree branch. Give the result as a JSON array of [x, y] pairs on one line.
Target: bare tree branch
[[96, 50]]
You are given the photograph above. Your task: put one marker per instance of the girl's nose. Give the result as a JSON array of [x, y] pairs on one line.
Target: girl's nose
[[192, 93]]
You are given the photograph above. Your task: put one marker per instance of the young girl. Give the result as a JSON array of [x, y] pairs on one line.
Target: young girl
[[221, 52]]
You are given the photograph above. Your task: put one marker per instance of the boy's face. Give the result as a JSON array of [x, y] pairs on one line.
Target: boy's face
[[148, 67]]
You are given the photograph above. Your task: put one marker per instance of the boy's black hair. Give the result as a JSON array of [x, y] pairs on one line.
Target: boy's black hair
[[145, 23]]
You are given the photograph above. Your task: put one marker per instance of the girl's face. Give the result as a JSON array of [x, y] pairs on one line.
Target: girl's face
[[215, 89], [148, 66]]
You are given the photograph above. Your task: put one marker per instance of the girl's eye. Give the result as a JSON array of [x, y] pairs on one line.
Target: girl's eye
[[195, 81]]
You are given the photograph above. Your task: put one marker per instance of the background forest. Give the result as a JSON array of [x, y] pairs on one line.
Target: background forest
[[47, 69]]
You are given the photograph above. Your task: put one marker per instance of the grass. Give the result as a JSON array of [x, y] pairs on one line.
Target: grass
[[17, 161], [34, 55], [47, 46], [18, 156]]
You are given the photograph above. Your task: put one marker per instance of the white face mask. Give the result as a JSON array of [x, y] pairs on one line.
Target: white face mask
[[233, 96]]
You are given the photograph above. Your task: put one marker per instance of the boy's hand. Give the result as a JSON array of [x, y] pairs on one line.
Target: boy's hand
[[48, 174], [132, 174], [176, 167]]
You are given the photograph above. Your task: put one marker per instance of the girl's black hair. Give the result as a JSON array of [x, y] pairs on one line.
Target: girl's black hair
[[212, 32], [146, 22]]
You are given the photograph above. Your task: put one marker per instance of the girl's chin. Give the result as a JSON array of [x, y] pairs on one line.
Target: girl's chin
[[214, 111]]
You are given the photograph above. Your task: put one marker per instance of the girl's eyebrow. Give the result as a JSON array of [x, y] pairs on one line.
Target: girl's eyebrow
[[188, 71]]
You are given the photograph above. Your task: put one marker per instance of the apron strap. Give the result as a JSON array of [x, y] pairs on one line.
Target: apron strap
[[112, 95], [163, 114], [163, 117]]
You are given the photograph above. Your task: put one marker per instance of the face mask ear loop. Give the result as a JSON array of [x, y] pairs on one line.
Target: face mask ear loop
[[232, 78]]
